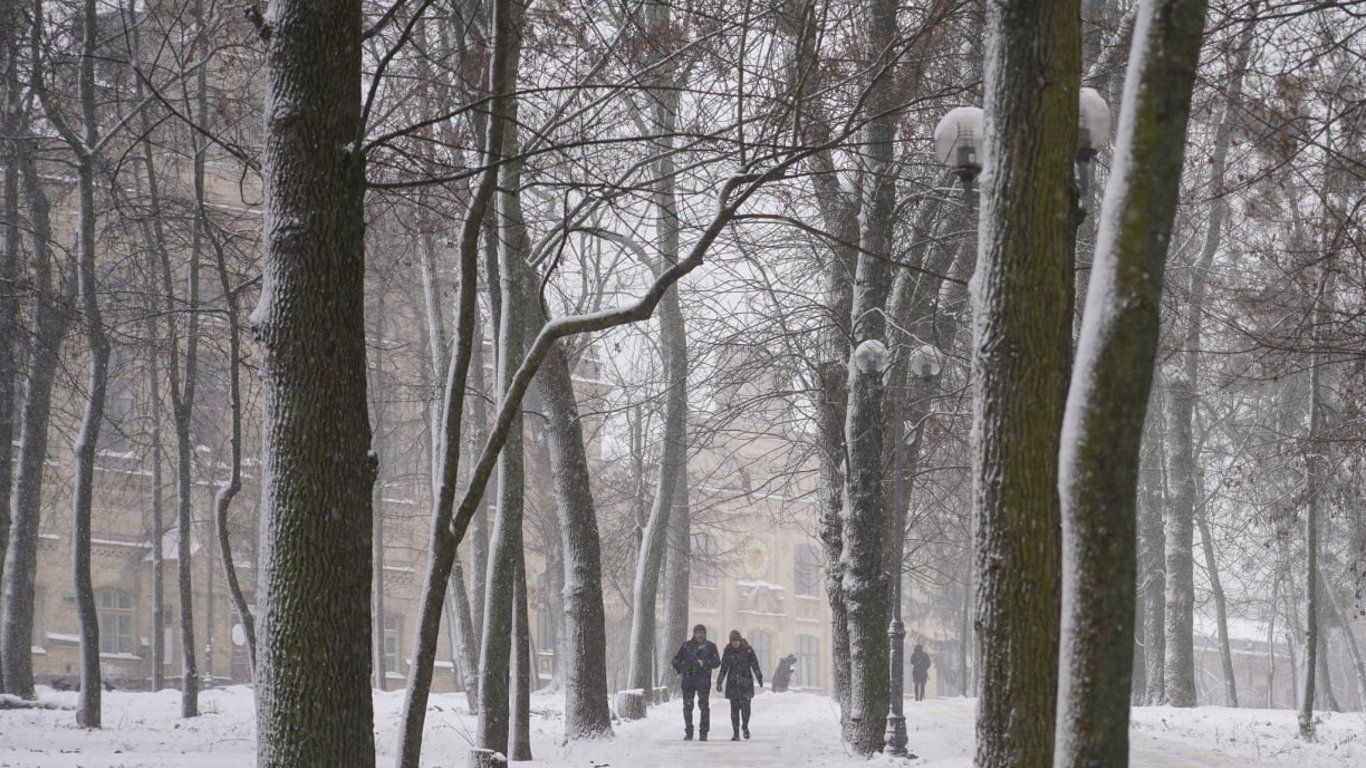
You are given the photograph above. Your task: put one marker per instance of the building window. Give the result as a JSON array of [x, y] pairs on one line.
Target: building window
[[759, 640], [808, 571], [704, 560], [115, 610], [807, 649], [393, 631]]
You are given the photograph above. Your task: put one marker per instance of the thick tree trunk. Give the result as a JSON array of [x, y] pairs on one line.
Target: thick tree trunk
[[51, 317], [313, 694], [586, 712], [677, 577], [10, 244], [1353, 648], [1022, 345], [1111, 386], [867, 515]]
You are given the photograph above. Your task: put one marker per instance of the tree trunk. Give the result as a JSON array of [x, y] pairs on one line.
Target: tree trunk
[[313, 694], [1152, 556], [586, 711], [222, 501], [51, 317], [1220, 602], [513, 282], [1021, 360], [11, 125], [1179, 683], [1111, 386], [677, 577], [1178, 640], [867, 516], [523, 671], [1315, 475]]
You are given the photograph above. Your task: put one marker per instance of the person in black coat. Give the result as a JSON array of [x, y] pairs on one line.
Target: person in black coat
[[694, 661], [739, 670], [920, 670]]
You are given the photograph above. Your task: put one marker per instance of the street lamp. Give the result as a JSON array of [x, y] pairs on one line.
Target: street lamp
[[1093, 132], [924, 363], [958, 144], [870, 357]]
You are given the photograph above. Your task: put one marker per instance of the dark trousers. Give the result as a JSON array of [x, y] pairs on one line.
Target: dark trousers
[[739, 714], [703, 708], [919, 689]]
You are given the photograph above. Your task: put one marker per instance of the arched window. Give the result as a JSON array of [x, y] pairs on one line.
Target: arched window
[[807, 580], [807, 662], [115, 610], [759, 639], [704, 560]]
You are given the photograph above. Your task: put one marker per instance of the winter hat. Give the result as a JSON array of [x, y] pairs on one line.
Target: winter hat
[[699, 628], [735, 634]]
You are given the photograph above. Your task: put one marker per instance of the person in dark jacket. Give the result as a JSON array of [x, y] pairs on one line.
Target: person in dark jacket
[[920, 670], [782, 676], [694, 661], [739, 670]]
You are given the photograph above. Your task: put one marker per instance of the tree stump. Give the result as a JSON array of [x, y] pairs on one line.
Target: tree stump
[[631, 704], [486, 758]]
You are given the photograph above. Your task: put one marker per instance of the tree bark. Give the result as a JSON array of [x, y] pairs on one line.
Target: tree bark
[[313, 695], [867, 516], [1022, 345], [586, 712], [1315, 475], [10, 245], [1111, 386], [513, 282], [51, 317], [1152, 556]]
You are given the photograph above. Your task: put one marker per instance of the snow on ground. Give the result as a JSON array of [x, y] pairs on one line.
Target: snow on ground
[[793, 730]]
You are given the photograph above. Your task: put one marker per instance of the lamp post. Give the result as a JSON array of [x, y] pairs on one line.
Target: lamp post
[[924, 363], [958, 144], [1093, 132]]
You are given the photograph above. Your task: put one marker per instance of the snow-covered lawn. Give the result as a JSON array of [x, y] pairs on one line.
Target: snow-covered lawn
[[790, 730]]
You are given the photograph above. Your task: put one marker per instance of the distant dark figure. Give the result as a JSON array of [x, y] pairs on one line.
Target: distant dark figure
[[739, 670], [782, 677], [695, 660], [920, 670], [60, 684]]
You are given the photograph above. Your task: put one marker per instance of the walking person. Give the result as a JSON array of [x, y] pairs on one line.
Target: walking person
[[920, 670], [694, 661], [739, 670]]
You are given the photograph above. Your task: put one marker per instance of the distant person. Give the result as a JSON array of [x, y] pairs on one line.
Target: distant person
[[694, 661], [782, 677], [920, 670], [739, 670]]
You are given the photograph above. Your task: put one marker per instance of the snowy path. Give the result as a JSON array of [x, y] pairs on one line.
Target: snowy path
[[789, 730]]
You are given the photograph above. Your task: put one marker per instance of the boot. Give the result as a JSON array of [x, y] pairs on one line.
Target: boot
[[687, 735], [747, 732], [702, 736], [736, 735]]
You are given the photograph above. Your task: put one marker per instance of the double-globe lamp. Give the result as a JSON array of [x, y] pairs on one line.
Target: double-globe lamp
[[959, 134]]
